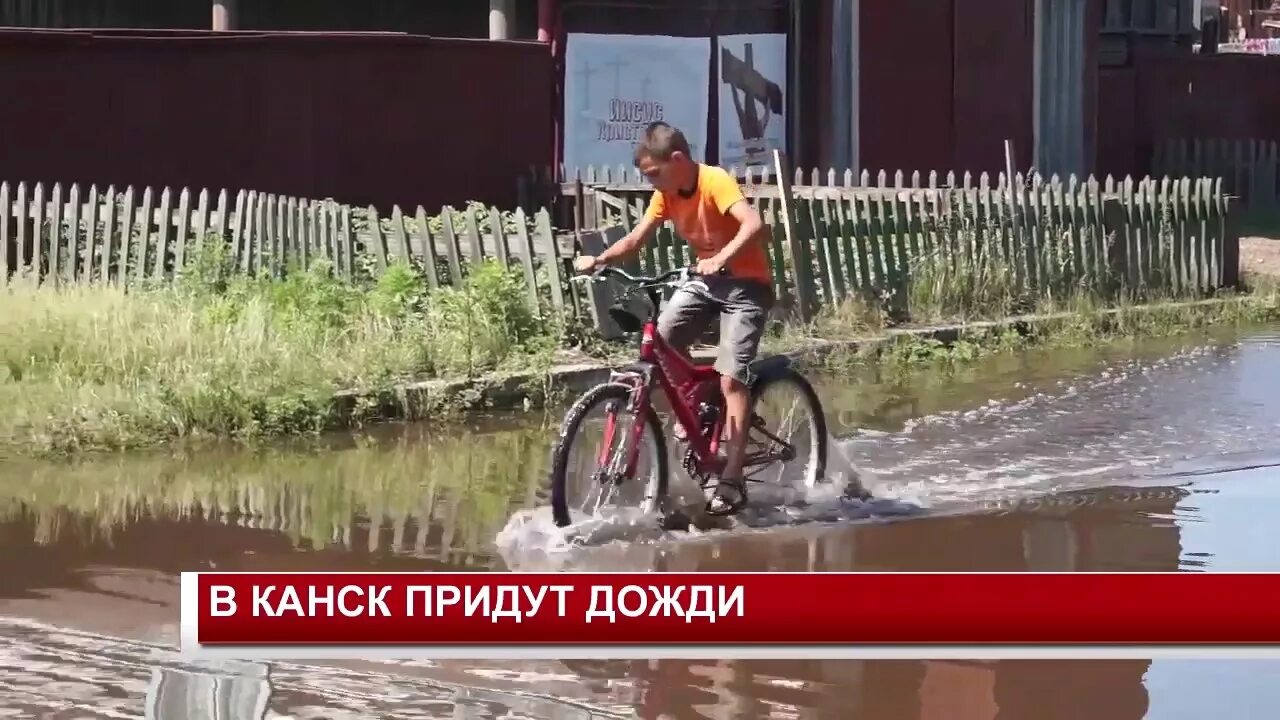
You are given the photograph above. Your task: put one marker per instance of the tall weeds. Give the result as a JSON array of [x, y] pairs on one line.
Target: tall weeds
[[221, 354]]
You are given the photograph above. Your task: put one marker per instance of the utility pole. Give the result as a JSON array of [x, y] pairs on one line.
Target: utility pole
[[224, 15], [501, 15]]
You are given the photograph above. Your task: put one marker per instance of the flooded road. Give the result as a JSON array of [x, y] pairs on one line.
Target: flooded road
[[1158, 456]]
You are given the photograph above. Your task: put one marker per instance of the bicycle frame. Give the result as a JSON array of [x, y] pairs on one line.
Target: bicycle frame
[[684, 384]]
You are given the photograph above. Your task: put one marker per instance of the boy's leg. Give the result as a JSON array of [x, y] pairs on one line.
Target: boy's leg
[[742, 324], [684, 318], [680, 323]]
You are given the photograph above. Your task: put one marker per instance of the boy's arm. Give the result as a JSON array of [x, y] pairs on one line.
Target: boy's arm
[[730, 200], [629, 244]]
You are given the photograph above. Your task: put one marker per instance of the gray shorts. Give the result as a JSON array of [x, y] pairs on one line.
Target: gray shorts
[[743, 307]]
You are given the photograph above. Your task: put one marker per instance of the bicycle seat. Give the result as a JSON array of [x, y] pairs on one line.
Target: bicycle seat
[[772, 364]]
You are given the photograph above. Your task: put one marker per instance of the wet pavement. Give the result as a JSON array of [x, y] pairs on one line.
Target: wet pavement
[[1157, 456]]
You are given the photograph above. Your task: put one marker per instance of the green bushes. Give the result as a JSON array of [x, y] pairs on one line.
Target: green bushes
[[228, 355]]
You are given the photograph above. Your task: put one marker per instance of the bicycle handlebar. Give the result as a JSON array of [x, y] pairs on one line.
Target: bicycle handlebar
[[686, 272]]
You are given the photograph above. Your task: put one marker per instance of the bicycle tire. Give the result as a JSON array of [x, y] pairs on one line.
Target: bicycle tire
[[569, 429], [790, 375]]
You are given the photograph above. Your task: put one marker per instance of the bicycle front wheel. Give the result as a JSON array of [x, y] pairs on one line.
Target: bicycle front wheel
[[593, 465]]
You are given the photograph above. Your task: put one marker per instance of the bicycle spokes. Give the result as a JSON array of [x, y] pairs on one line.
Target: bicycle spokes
[[608, 459], [771, 441]]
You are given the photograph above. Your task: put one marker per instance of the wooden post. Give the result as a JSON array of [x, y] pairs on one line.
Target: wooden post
[[803, 271], [546, 19], [1231, 242], [501, 17], [224, 15]]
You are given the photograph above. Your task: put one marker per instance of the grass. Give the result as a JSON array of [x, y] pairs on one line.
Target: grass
[[94, 367], [946, 289]]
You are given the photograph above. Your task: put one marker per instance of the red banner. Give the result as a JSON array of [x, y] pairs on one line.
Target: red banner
[[750, 609]]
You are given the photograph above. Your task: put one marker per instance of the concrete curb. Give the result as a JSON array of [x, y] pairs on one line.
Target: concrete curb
[[514, 391]]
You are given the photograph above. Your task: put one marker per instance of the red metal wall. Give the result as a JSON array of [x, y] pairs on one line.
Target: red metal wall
[[944, 83], [906, 104], [364, 119], [1166, 95], [994, 72]]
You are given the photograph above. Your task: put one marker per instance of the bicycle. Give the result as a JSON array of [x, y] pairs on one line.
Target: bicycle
[[693, 392]]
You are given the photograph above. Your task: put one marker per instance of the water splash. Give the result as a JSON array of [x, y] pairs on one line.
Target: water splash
[[617, 538]]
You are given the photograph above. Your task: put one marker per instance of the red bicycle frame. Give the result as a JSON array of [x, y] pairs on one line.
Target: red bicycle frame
[[685, 385]]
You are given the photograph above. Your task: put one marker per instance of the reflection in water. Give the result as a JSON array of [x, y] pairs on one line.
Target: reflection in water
[[889, 690], [413, 493], [182, 694], [1050, 462]]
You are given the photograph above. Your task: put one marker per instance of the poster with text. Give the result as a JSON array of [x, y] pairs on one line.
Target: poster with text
[[752, 97], [615, 85]]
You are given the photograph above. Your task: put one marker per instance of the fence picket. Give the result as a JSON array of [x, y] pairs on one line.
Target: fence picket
[[290, 244], [90, 209], [39, 258], [377, 241], [275, 241], [183, 227], [5, 262], [316, 235], [547, 238], [399, 248], [57, 261], [146, 217], [21, 213], [427, 244], [238, 225], [162, 237], [501, 250], [813, 227], [108, 236], [474, 239], [347, 239], [528, 255], [219, 221], [126, 239], [73, 232], [453, 252]]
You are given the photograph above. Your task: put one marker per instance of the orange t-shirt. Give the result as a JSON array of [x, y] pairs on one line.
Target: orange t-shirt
[[703, 221]]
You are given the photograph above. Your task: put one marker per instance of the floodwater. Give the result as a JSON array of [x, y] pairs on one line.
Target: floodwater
[[1157, 456]]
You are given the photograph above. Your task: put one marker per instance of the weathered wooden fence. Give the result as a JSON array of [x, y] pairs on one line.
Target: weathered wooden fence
[[871, 239], [1250, 169], [830, 239], [126, 237]]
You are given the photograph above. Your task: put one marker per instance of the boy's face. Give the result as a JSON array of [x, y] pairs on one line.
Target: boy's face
[[664, 175]]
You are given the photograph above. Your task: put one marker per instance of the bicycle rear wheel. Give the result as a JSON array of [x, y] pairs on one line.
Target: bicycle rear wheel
[[588, 476], [787, 440]]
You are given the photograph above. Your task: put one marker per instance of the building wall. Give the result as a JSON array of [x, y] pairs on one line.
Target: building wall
[[994, 83], [1175, 95], [442, 18], [906, 116], [944, 83], [364, 119]]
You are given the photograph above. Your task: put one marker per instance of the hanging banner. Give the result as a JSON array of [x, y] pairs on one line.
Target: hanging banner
[[615, 85], [752, 98]]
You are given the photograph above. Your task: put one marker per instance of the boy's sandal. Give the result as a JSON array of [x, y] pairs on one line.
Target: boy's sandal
[[727, 505]]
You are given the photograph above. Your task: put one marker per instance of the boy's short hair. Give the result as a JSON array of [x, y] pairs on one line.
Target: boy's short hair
[[660, 141]]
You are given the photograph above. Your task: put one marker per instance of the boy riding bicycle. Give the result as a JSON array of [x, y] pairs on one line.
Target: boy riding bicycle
[[710, 213]]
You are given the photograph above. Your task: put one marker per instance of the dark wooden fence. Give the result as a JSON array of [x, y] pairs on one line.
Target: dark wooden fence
[[1250, 169]]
